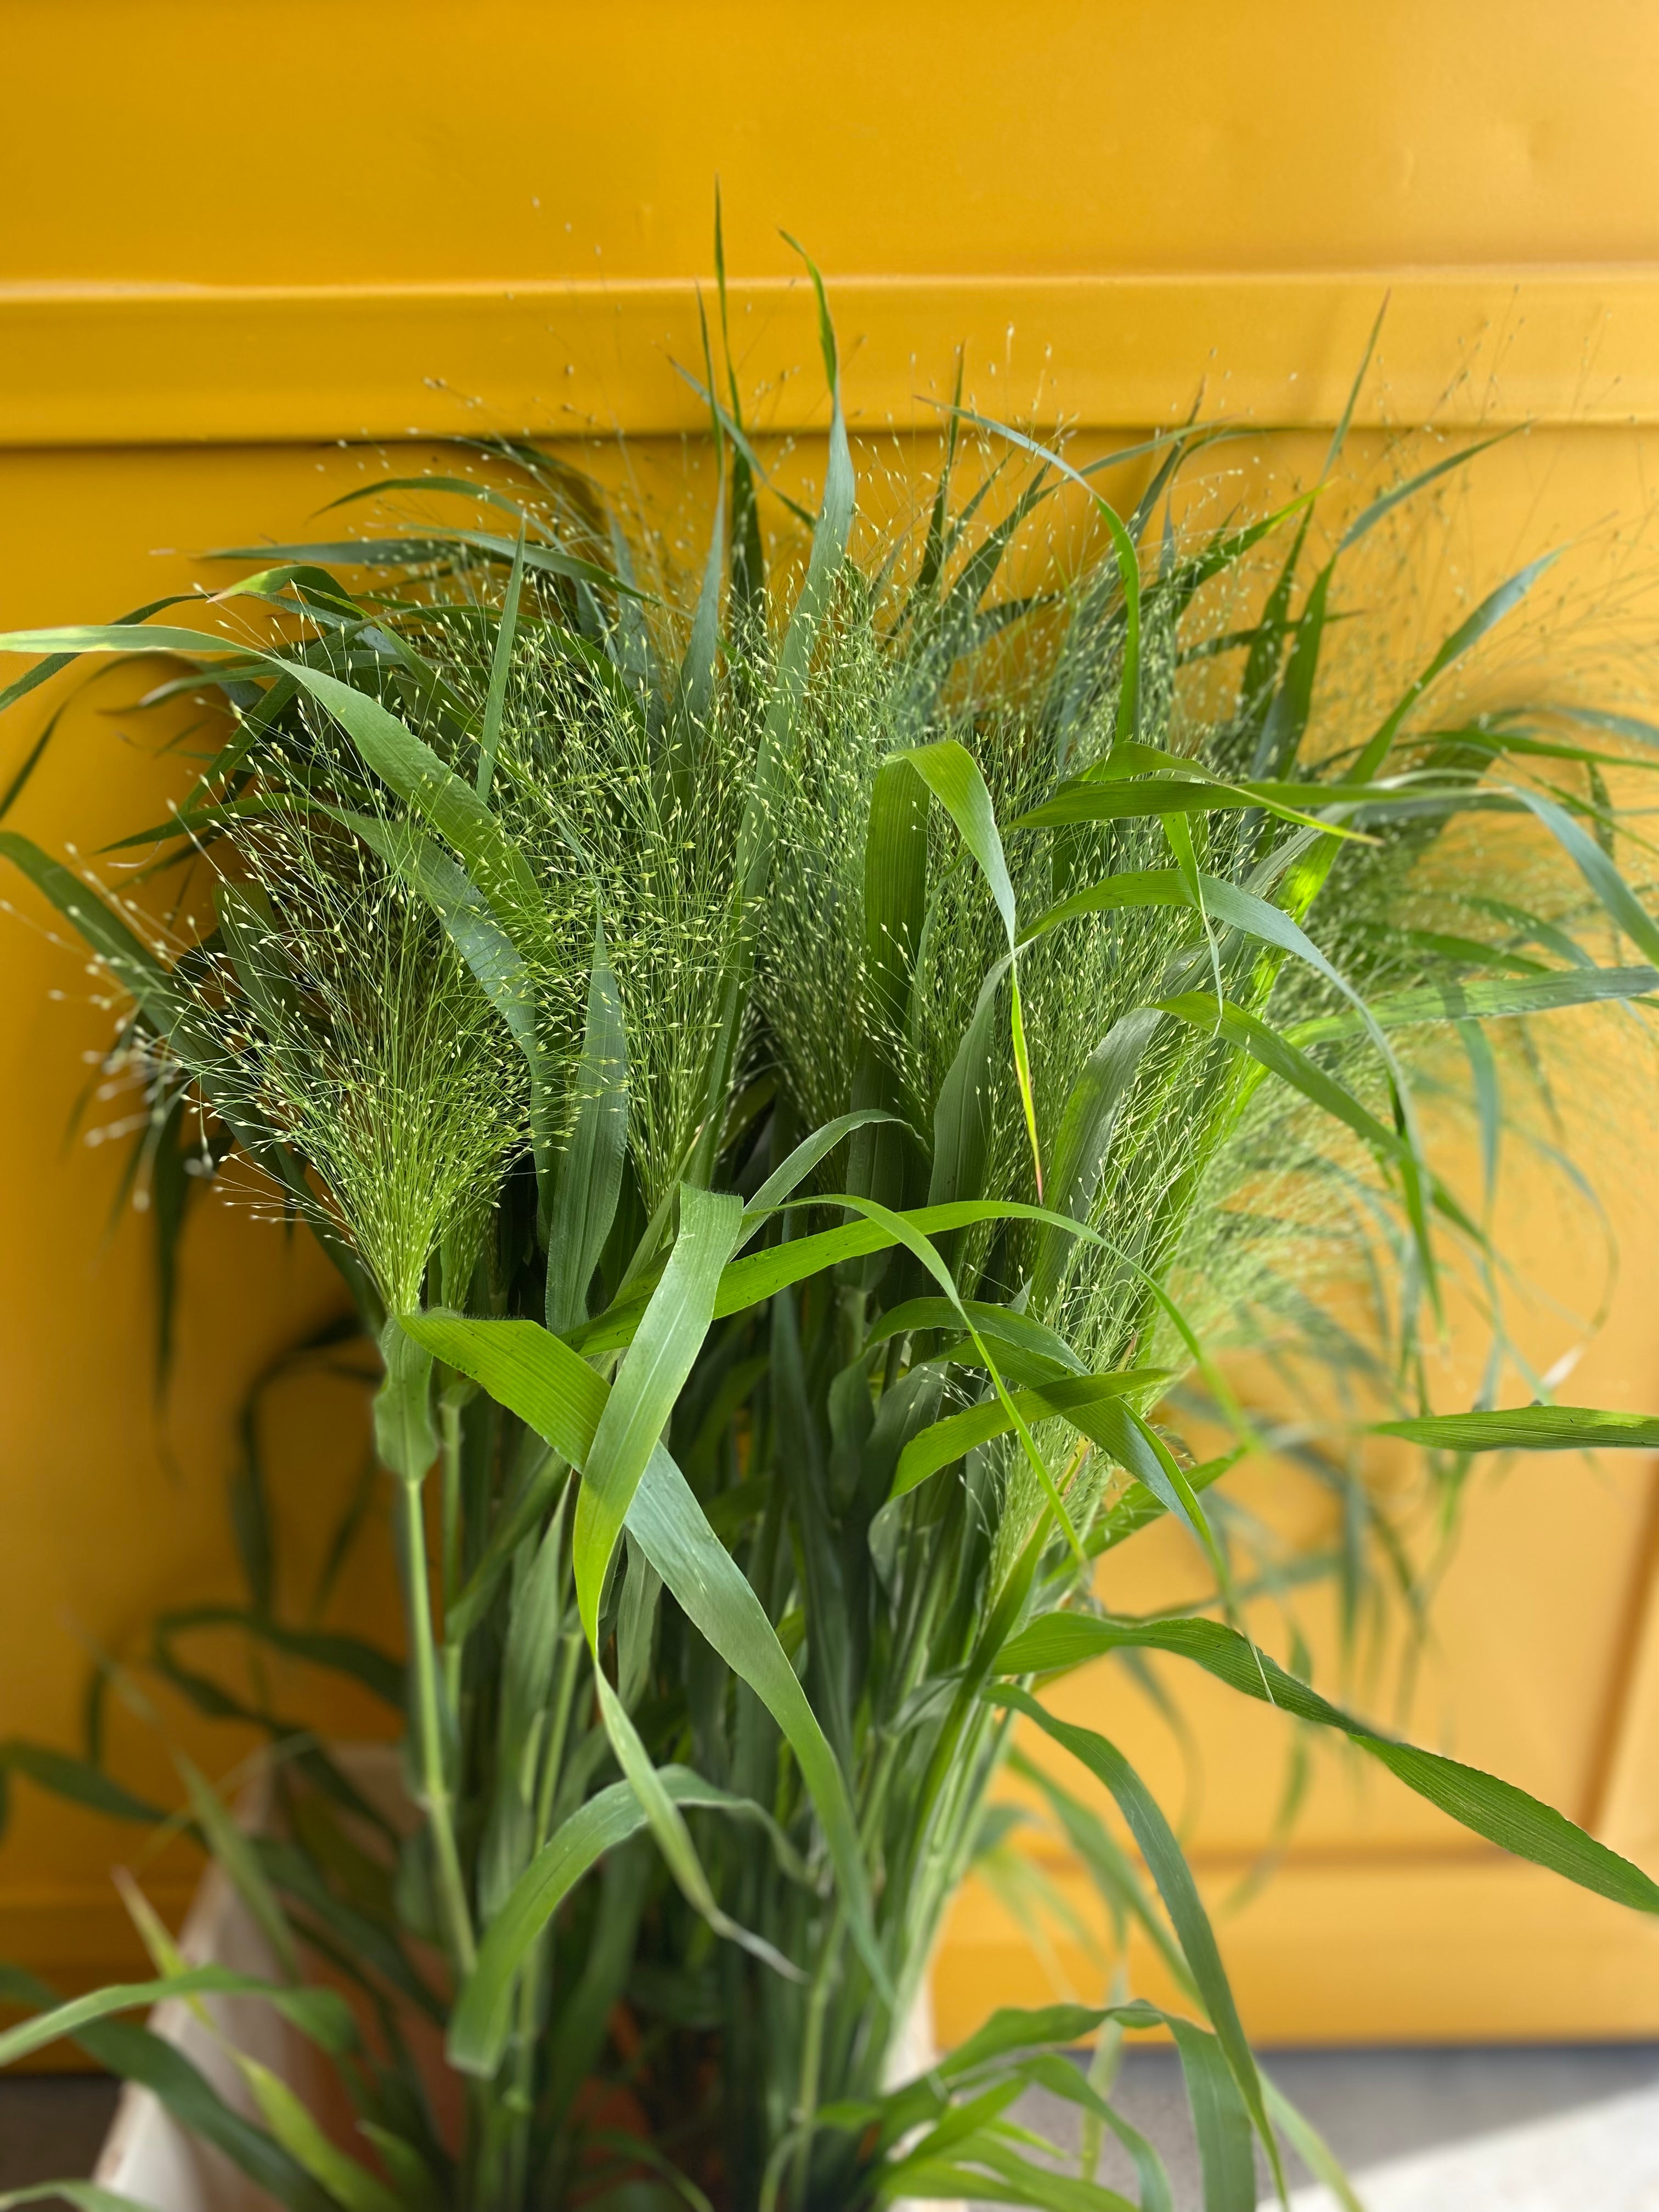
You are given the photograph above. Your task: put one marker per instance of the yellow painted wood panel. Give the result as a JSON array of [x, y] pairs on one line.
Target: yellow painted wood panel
[[412, 141], [226, 252]]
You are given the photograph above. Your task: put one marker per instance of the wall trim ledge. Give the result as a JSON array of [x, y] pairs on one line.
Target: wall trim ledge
[[168, 364]]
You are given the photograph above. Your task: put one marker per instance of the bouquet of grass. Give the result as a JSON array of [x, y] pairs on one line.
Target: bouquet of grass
[[775, 1080]]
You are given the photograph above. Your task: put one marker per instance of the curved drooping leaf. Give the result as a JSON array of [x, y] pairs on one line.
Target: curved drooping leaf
[[350, 2184], [758, 1276], [1072, 1398], [673, 1838], [1497, 1810], [135, 2054], [1246, 1032], [417, 550], [953, 775], [1169, 1869], [1598, 870], [1528, 1428], [84, 2196], [786, 1178], [1497, 998], [1136, 799], [638, 1406], [482, 2019], [322, 2015]]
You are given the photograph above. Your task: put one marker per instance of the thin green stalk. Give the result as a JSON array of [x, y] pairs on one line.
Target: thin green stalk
[[571, 1647], [449, 1430], [519, 2100], [813, 2050], [426, 1715]]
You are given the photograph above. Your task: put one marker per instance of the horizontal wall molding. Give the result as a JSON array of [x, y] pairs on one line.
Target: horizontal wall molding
[[175, 364]]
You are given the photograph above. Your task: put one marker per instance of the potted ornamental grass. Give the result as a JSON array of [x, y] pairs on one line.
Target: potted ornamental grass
[[789, 1073]]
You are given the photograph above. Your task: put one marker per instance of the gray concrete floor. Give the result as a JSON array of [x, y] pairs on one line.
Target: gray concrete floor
[[1377, 2107], [1372, 2106], [52, 2125]]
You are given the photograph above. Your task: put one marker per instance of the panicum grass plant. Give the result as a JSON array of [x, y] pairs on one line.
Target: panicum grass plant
[[792, 1084]]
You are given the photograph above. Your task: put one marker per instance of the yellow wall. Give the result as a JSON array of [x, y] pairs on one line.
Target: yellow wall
[[235, 239]]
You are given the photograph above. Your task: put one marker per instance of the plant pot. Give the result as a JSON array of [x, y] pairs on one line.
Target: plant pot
[[147, 2155]]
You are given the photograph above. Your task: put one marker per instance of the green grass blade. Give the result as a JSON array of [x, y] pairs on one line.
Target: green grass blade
[[1311, 2147], [776, 750], [500, 667], [760, 1275], [414, 550], [962, 1113], [350, 2184], [134, 2054], [377, 1671], [953, 775], [915, 1240], [1220, 2121], [672, 1530], [414, 771], [1373, 513], [695, 688], [1085, 1135], [1623, 906], [1135, 1445], [588, 1182], [463, 486], [234, 1849], [1126, 729], [1469, 634], [895, 886], [1124, 799], [673, 1838], [385, 745]]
